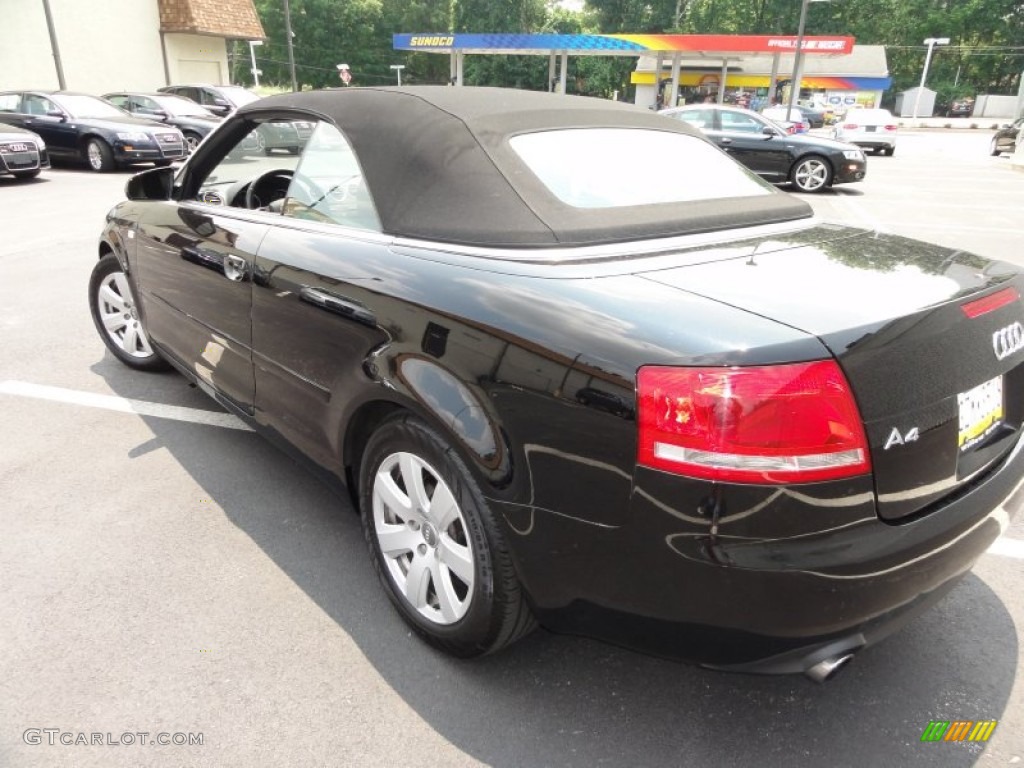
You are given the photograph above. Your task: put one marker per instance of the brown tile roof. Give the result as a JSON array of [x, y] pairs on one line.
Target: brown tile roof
[[223, 18]]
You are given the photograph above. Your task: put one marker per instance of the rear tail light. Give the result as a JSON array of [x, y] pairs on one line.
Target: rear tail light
[[850, 126], [770, 424], [891, 127]]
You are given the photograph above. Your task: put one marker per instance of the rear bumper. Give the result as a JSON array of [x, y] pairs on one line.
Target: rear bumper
[[769, 585], [873, 143]]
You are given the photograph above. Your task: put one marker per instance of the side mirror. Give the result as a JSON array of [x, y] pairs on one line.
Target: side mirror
[[58, 114], [768, 131], [156, 184]]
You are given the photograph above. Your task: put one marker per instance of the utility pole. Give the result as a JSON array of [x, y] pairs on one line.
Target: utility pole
[[54, 46], [291, 47]]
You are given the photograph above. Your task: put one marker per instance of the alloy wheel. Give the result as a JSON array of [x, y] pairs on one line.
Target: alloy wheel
[[95, 156], [811, 175], [117, 311], [423, 538]]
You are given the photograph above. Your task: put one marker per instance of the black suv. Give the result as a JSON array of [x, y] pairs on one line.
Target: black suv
[[220, 99]]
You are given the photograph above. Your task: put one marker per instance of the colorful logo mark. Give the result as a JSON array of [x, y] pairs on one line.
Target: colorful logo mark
[[958, 730]]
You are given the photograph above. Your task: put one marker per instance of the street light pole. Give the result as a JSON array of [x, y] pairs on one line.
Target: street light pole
[[252, 56], [931, 42], [398, 71], [291, 45]]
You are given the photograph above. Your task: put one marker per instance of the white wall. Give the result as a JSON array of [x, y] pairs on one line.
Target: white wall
[[197, 59], [987, 105], [104, 46]]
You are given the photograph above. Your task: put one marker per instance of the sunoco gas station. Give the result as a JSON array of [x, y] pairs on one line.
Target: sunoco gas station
[[673, 68]]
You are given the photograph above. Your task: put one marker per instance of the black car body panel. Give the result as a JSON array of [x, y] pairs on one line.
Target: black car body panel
[[130, 139], [771, 155], [525, 358], [22, 152]]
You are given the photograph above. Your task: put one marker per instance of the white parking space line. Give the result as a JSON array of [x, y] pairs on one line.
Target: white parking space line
[[122, 405], [1007, 547]]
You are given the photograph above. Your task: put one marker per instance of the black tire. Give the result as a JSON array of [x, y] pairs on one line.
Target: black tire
[[993, 148], [162, 163], [890, 151], [111, 299], [481, 617], [812, 173], [26, 174], [99, 155]]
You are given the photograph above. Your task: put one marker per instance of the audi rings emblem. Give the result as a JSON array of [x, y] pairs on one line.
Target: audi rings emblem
[[1008, 340]]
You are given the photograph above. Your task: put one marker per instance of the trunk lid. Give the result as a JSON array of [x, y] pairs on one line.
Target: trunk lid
[[941, 393]]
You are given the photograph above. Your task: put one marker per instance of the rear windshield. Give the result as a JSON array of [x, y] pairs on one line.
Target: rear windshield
[[618, 167]]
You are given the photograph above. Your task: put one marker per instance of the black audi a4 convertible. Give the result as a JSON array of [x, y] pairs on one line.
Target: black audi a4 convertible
[[578, 367]]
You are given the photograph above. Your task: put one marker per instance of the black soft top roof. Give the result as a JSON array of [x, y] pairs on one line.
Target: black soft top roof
[[438, 164]]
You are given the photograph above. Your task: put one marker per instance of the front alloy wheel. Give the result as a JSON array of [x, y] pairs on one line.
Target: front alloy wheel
[[812, 174], [99, 155], [116, 316]]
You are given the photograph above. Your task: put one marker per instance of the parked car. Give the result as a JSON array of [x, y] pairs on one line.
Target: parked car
[[193, 120], [960, 108], [651, 399], [785, 116], [22, 153], [809, 163], [222, 100], [873, 129], [76, 126], [816, 115], [1005, 139]]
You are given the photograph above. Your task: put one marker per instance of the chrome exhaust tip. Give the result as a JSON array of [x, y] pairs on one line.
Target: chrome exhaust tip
[[828, 668]]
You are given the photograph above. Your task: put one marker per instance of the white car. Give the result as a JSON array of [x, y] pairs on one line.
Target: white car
[[873, 129]]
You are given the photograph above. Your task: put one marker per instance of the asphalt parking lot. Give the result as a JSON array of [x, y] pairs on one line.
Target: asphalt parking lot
[[165, 571]]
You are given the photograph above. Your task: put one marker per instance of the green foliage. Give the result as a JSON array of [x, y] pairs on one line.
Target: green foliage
[[986, 53]]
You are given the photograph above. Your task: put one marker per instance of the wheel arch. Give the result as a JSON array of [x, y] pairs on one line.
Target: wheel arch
[[473, 431]]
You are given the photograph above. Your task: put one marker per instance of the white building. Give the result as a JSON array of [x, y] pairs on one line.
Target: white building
[[121, 44]]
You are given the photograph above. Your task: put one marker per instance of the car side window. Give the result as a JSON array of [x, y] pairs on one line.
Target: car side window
[[698, 118], [734, 121], [256, 172], [37, 105], [118, 100], [145, 105], [328, 185], [9, 102]]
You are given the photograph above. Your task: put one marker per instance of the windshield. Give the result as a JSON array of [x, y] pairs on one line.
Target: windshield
[[80, 106], [614, 167], [179, 107]]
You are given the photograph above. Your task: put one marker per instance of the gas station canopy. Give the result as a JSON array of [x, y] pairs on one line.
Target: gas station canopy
[[712, 46], [670, 48]]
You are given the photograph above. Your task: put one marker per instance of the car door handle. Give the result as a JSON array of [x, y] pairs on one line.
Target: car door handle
[[725, 140], [339, 305]]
